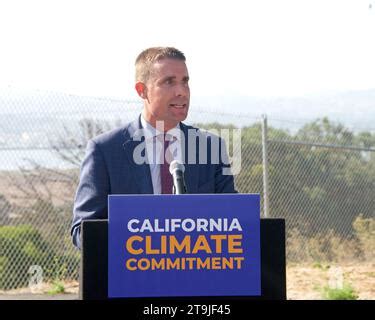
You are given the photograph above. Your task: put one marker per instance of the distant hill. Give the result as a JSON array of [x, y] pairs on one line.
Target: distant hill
[[354, 109]]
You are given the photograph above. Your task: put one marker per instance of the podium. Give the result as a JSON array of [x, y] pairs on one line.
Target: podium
[[94, 263]]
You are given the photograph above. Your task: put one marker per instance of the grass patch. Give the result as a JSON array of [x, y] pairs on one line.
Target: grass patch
[[57, 288], [318, 265], [344, 293]]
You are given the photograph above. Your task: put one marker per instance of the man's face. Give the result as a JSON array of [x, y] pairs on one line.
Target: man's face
[[167, 93]]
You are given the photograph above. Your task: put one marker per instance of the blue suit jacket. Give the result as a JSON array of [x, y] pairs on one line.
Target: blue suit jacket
[[109, 168]]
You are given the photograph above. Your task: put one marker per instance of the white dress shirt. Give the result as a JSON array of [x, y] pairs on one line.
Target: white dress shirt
[[154, 147]]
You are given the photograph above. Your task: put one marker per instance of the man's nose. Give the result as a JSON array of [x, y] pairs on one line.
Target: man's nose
[[182, 90]]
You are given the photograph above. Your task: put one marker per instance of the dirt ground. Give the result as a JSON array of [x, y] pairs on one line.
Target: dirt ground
[[303, 283], [306, 282], [42, 292]]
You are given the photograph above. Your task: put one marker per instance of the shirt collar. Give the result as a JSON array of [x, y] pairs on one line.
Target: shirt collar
[[151, 132]]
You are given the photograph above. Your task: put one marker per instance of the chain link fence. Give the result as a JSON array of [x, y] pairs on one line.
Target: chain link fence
[[320, 177]]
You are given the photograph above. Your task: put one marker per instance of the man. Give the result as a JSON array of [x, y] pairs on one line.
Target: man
[[134, 159]]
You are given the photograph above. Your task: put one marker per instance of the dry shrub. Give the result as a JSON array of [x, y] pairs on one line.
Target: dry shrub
[[323, 247], [365, 232]]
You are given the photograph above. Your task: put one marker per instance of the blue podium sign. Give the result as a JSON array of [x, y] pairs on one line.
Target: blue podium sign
[[184, 245]]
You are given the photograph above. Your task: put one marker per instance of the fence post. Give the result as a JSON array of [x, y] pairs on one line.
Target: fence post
[[265, 167]]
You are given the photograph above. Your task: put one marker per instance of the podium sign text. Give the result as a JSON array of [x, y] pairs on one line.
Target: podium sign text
[[184, 245]]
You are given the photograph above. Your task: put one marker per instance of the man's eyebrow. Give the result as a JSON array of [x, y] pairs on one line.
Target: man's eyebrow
[[168, 78], [186, 78]]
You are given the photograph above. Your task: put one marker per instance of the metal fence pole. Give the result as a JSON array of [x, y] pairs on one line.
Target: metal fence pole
[[265, 167]]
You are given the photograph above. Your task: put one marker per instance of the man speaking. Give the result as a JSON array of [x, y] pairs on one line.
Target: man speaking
[[135, 158]]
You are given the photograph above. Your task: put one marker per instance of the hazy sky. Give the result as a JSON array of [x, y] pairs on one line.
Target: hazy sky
[[252, 48]]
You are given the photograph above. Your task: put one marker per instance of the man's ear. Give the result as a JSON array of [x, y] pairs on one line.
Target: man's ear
[[141, 90]]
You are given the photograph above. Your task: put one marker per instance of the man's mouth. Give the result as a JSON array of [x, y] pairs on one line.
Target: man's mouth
[[180, 106]]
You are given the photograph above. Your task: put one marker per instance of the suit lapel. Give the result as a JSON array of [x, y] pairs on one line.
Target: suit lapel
[[140, 172]]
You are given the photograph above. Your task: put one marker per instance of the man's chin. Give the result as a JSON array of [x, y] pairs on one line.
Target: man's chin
[[182, 118], [169, 124], [181, 114]]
